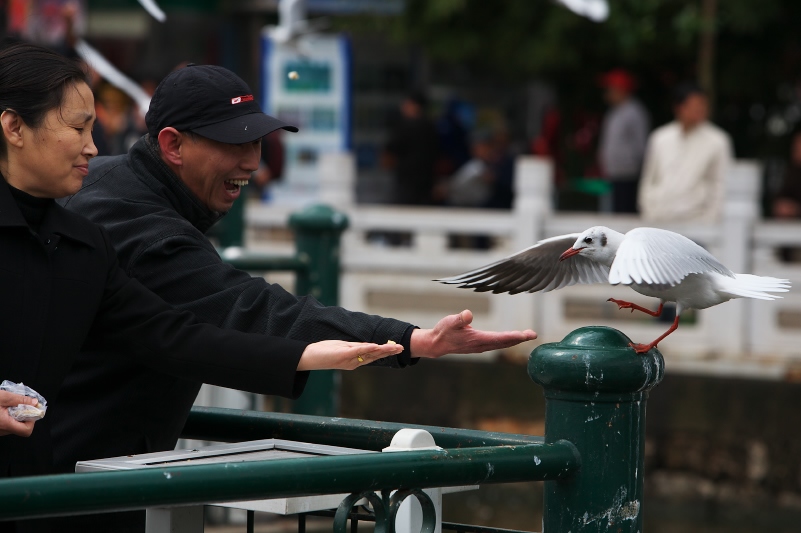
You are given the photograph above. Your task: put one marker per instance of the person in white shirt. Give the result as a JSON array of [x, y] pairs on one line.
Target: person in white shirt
[[685, 164], [622, 141]]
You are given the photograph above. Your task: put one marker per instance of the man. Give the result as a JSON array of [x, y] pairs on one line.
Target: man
[[156, 202], [622, 140], [412, 150], [685, 164]]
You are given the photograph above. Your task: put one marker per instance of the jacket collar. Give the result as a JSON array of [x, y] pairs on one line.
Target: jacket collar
[[149, 167], [57, 220]]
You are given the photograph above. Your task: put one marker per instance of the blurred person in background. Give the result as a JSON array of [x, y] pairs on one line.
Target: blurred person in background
[[503, 169], [486, 179], [548, 142], [412, 152], [471, 184], [454, 137], [787, 203], [115, 114], [624, 131], [685, 164]]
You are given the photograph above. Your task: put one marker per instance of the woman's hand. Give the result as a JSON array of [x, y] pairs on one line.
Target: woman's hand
[[9, 426], [344, 355]]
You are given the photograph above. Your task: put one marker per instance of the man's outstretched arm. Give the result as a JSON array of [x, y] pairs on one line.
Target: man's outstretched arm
[[454, 334]]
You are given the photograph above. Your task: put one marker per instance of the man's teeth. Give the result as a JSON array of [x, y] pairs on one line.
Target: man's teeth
[[239, 183]]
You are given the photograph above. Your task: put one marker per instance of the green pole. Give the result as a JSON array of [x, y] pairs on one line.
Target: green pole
[[318, 230], [596, 388]]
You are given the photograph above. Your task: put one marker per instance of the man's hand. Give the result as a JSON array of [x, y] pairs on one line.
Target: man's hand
[[343, 355], [9, 426], [454, 334]]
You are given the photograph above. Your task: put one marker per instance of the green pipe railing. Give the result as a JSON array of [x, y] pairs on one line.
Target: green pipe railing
[[230, 425], [318, 231], [135, 489]]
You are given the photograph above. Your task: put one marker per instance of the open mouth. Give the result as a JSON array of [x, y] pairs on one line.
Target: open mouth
[[233, 185]]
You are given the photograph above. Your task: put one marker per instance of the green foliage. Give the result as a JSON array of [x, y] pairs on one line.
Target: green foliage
[[757, 59], [518, 39]]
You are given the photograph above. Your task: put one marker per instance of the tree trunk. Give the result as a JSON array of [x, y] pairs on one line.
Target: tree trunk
[[706, 48]]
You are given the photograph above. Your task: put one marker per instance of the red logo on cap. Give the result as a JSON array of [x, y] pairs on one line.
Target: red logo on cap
[[240, 99]]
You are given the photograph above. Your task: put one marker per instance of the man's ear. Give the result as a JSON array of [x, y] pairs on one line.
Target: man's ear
[[12, 128], [170, 143]]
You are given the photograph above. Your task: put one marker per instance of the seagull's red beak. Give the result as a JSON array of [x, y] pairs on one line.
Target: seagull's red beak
[[570, 252]]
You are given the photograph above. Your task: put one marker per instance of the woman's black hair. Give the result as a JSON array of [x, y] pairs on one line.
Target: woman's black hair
[[33, 80]]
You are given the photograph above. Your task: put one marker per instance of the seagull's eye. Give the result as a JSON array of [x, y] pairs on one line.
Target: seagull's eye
[[588, 240]]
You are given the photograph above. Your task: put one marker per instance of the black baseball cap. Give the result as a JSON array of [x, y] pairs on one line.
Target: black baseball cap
[[211, 101]]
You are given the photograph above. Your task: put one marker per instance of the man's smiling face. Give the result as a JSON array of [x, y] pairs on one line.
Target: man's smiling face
[[215, 172]]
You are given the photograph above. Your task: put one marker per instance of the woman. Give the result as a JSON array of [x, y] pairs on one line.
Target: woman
[[60, 284]]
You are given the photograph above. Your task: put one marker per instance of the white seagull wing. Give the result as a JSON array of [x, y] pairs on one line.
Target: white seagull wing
[[112, 75], [536, 268], [652, 256]]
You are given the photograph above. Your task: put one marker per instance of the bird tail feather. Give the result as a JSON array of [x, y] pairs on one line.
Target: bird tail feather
[[750, 286]]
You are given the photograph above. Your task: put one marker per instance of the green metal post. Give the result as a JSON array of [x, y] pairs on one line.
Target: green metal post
[[596, 388], [318, 230]]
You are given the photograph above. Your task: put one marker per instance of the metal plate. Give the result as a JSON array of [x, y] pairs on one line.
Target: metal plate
[[257, 450]]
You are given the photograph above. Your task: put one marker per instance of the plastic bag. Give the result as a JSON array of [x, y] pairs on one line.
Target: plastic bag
[[24, 412]]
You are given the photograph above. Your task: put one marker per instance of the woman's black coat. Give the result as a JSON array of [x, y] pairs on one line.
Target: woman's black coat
[[62, 289]]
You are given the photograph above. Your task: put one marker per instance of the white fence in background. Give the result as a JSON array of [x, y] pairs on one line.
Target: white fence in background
[[747, 337]]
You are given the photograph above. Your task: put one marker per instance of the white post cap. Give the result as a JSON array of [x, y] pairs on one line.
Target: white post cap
[[408, 439]]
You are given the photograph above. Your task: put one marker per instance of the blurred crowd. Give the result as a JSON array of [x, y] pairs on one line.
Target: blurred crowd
[[446, 162], [676, 171]]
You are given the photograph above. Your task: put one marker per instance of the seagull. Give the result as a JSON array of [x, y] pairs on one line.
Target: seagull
[[654, 262]]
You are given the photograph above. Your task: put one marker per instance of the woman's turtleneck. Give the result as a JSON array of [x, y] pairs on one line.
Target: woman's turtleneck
[[33, 209]]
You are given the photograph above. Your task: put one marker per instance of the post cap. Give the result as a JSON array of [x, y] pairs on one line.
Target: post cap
[[595, 359], [408, 439], [318, 217]]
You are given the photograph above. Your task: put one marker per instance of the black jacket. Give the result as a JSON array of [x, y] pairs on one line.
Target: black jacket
[[157, 227], [62, 289]]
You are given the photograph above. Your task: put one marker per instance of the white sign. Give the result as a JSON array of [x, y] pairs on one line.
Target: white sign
[[306, 83]]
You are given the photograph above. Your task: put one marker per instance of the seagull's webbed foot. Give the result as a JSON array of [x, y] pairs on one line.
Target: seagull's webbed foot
[[621, 304], [641, 348], [644, 348]]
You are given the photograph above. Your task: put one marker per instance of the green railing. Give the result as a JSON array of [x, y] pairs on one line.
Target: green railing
[[591, 457], [135, 489], [318, 230]]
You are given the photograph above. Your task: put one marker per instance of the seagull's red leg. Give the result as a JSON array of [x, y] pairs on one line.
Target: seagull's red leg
[[642, 348], [628, 305]]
